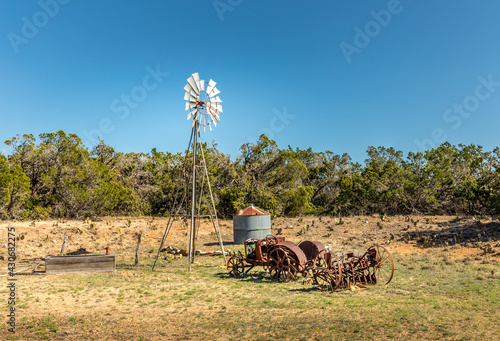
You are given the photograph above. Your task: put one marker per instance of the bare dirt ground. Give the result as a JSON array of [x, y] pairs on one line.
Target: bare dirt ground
[[466, 236], [173, 304]]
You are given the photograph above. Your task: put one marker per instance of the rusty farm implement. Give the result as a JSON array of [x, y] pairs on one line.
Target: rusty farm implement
[[285, 260]]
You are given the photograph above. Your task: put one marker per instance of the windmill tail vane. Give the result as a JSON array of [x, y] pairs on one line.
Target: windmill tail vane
[[203, 103]]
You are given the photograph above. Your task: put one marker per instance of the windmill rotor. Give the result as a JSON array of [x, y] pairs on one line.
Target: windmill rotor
[[202, 102]]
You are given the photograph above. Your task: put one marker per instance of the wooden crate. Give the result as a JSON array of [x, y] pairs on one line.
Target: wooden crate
[[80, 263]]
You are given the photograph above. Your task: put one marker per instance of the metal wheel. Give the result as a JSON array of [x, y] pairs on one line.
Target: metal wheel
[[382, 267], [319, 264], [333, 264], [324, 280], [327, 260], [236, 267], [281, 265], [321, 260]]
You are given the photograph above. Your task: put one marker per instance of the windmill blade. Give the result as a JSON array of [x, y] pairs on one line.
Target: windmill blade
[[199, 121], [216, 99], [192, 98], [216, 111], [188, 87], [186, 96], [194, 94], [191, 114], [196, 76], [200, 84], [210, 86], [192, 82], [215, 120], [215, 116], [190, 106], [214, 92], [217, 106]]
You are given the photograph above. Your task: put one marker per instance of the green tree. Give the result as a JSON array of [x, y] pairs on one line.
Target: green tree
[[14, 188]]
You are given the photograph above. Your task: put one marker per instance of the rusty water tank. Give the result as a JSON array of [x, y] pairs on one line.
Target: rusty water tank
[[251, 222]]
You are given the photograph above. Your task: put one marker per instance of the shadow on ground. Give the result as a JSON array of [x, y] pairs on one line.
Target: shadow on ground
[[456, 232]]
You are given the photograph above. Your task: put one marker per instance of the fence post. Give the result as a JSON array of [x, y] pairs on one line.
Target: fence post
[[64, 243], [137, 249]]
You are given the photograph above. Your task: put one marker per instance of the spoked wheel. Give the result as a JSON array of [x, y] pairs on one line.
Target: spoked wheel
[[321, 260], [382, 267], [325, 281], [316, 265], [236, 267], [281, 265], [320, 263], [335, 268]]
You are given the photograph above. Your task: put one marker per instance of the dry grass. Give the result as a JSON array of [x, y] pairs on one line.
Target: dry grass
[[439, 292]]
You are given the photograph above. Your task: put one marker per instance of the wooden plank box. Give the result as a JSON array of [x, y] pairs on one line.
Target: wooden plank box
[[80, 263]]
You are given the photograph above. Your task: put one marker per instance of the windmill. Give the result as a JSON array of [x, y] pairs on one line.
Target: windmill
[[204, 106]]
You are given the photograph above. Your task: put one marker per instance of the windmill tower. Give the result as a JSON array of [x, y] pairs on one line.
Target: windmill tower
[[204, 106]]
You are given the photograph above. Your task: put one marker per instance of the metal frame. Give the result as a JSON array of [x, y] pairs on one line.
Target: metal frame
[[196, 192]]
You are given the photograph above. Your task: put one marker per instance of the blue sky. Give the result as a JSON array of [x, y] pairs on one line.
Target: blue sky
[[330, 75]]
